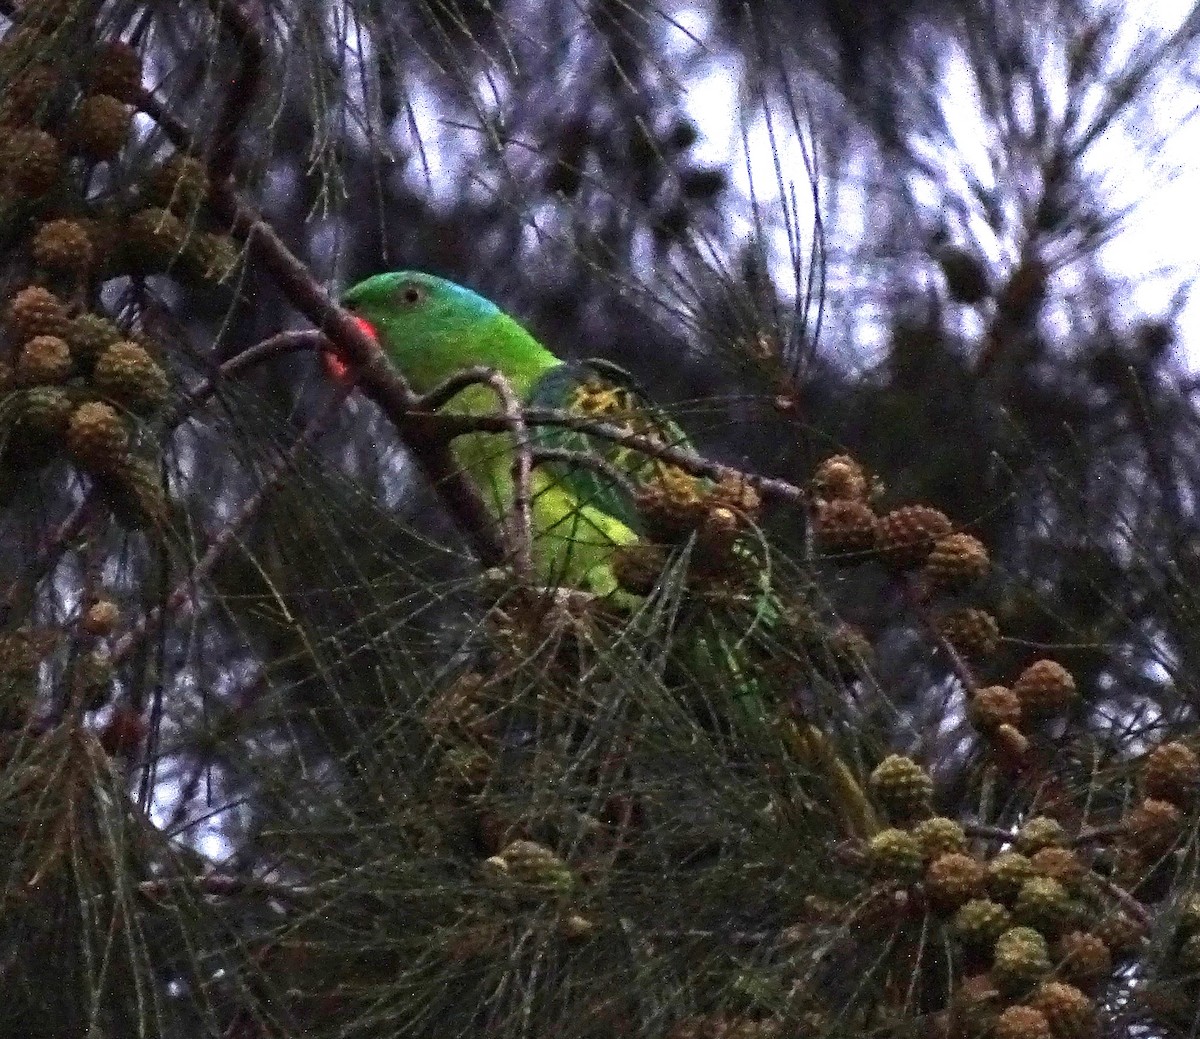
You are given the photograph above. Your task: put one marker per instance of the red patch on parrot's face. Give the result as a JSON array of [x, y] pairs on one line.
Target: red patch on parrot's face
[[337, 368]]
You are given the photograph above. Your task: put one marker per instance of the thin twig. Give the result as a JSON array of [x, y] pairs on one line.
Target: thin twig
[[217, 884], [242, 88], [183, 591], [521, 532], [689, 461], [375, 376]]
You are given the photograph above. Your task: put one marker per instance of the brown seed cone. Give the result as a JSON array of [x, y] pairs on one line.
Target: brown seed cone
[[638, 567], [957, 560], [843, 526], [907, 534], [89, 335], [840, 478], [31, 162], [62, 246], [124, 733], [1171, 772], [1072, 1015], [1085, 959], [126, 373], [154, 239], [1010, 745], [844, 654], [954, 878], [973, 632], [673, 505], [1044, 688], [100, 128], [1121, 933], [1061, 864], [28, 91], [1153, 826], [213, 256], [993, 706], [44, 360], [1021, 1022], [100, 618], [116, 70], [97, 438], [179, 183], [35, 311]]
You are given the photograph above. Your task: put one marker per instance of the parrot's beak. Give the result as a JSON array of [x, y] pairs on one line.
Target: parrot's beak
[[337, 368]]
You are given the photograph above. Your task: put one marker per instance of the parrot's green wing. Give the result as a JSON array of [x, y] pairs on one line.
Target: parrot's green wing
[[603, 391]]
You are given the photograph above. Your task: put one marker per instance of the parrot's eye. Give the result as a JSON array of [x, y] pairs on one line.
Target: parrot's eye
[[411, 295]]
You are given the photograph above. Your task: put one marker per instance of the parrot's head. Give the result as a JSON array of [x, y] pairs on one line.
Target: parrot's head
[[429, 327]]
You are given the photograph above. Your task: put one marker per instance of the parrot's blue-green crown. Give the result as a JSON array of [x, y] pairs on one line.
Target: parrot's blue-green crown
[[416, 291], [431, 328]]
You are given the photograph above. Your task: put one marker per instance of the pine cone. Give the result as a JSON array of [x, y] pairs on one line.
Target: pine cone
[[1070, 1013], [907, 535], [1121, 933], [1021, 958], [45, 412], [673, 505], [895, 855], [44, 360], [124, 733], [28, 92], [1085, 958], [213, 256], [1153, 826], [101, 618], [902, 788], [993, 706], [31, 161], [1044, 688], [96, 437], [973, 632], [957, 560], [89, 335], [1021, 1022], [179, 183], [35, 311], [1043, 903], [1171, 772], [638, 567], [100, 128], [939, 836], [154, 239], [1061, 864], [126, 373], [954, 879], [1040, 832], [843, 526], [62, 246], [840, 478], [1007, 872], [116, 70], [135, 493], [979, 922]]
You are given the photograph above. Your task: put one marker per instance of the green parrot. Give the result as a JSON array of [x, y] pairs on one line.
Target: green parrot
[[431, 329]]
